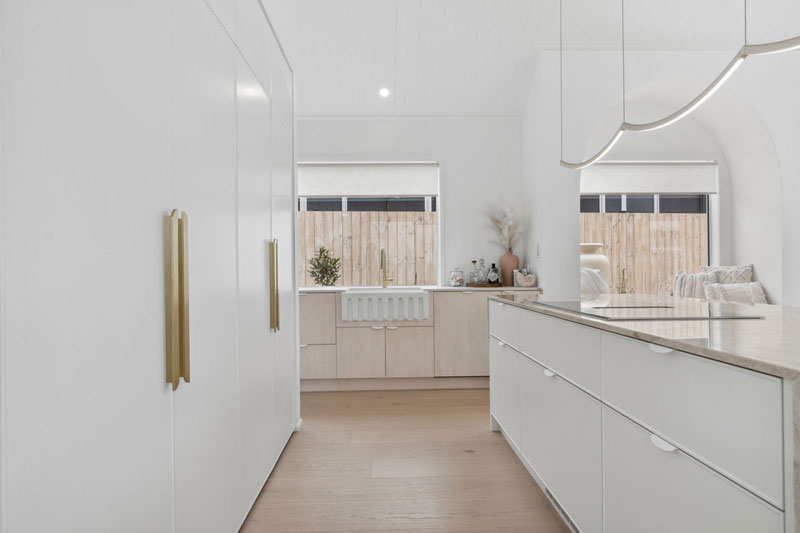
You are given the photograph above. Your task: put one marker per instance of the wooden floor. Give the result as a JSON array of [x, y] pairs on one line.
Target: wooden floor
[[400, 460]]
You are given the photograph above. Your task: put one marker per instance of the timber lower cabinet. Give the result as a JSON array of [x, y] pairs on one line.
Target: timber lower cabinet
[[361, 352], [451, 342], [461, 334]]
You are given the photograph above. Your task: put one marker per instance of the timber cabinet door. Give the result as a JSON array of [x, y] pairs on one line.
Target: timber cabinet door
[[361, 352], [461, 338], [317, 318], [409, 352]]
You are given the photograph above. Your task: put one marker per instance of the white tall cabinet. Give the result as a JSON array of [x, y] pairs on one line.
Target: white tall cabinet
[[113, 114]]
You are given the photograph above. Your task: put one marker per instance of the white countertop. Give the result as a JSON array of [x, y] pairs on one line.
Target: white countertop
[[430, 288], [771, 345]]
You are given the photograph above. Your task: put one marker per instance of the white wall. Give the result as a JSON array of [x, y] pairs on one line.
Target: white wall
[[479, 160], [737, 128]]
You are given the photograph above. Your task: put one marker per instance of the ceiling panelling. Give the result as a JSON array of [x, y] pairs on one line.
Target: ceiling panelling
[[476, 57]]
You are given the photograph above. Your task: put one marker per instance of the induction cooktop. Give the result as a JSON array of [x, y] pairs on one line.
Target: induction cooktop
[[681, 310]]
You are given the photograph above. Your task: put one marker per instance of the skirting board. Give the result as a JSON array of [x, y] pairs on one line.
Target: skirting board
[[357, 384]]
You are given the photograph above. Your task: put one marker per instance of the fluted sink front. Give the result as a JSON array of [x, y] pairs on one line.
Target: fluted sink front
[[378, 305]]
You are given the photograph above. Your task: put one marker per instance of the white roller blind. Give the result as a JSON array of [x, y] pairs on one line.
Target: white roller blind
[[367, 179], [658, 177]]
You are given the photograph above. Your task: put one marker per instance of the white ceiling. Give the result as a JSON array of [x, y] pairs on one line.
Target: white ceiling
[[476, 57]]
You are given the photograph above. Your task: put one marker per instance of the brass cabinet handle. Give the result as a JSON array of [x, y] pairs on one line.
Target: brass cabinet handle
[[176, 270], [274, 300]]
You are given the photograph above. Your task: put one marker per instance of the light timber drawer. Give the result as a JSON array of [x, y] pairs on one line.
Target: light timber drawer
[[651, 486], [728, 417], [570, 349], [317, 361]]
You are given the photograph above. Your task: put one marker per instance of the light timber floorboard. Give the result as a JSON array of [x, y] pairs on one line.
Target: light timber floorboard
[[400, 461]]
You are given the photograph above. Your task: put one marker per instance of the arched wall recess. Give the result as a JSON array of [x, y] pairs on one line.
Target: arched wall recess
[[745, 52]]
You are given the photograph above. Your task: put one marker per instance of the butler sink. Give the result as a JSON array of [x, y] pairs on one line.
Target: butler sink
[[378, 305]]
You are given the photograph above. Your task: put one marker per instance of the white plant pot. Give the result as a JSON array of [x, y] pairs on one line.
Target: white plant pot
[[592, 257]]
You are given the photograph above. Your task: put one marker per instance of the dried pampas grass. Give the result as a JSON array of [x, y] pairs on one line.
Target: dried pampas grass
[[508, 227]]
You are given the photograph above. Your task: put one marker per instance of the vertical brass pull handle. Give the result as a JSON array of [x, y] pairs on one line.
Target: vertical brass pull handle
[[183, 265], [176, 284], [274, 300]]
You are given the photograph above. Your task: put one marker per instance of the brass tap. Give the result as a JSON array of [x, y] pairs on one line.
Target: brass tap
[[384, 279]]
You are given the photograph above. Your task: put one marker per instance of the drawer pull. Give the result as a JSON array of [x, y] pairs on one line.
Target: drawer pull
[[467, 292], [507, 292], [659, 349], [304, 345], [549, 373], [661, 444], [501, 343], [303, 293], [500, 304], [392, 327], [377, 327]]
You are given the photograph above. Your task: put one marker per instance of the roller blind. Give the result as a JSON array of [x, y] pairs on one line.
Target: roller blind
[[658, 177], [367, 179]]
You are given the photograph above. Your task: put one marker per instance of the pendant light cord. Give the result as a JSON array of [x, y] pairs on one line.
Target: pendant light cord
[[561, 71], [624, 106], [745, 22]]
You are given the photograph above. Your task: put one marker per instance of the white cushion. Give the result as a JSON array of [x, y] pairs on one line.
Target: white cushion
[[751, 293], [731, 274], [691, 285], [592, 282]]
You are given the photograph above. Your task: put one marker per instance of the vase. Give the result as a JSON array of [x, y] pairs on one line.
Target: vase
[[592, 257], [508, 264]]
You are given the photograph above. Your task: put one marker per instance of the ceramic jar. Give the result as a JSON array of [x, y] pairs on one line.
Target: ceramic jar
[[508, 264], [457, 278]]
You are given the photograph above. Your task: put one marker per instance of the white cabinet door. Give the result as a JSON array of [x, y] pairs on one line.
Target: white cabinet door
[[651, 486], [728, 417], [561, 438], [87, 411], [504, 387], [256, 393], [283, 217], [202, 166]]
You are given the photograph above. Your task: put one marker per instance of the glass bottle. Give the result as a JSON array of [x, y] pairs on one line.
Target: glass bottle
[[494, 274], [473, 273], [482, 272]]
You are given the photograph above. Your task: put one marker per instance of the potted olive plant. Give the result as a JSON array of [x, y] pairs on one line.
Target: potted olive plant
[[324, 268]]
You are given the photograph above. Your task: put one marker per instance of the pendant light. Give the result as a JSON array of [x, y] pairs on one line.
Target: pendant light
[[747, 50]]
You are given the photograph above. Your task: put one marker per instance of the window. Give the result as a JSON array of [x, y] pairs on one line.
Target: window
[[613, 203], [644, 203], [323, 204], [590, 203], [639, 203], [356, 209], [683, 203], [386, 204]]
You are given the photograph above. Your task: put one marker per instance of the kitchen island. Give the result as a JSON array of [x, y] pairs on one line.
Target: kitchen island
[[631, 424]]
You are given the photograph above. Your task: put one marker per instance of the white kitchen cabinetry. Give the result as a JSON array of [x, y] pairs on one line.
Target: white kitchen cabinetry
[[729, 417], [560, 434], [652, 486], [163, 113], [504, 387], [629, 437], [206, 443]]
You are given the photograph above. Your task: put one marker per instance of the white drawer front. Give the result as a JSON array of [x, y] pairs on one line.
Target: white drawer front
[[504, 322], [504, 387], [561, 438], [649, 488], [728, 417], [570, 349]]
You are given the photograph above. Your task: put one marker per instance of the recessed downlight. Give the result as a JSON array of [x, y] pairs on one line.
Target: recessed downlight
[[384, 92]]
